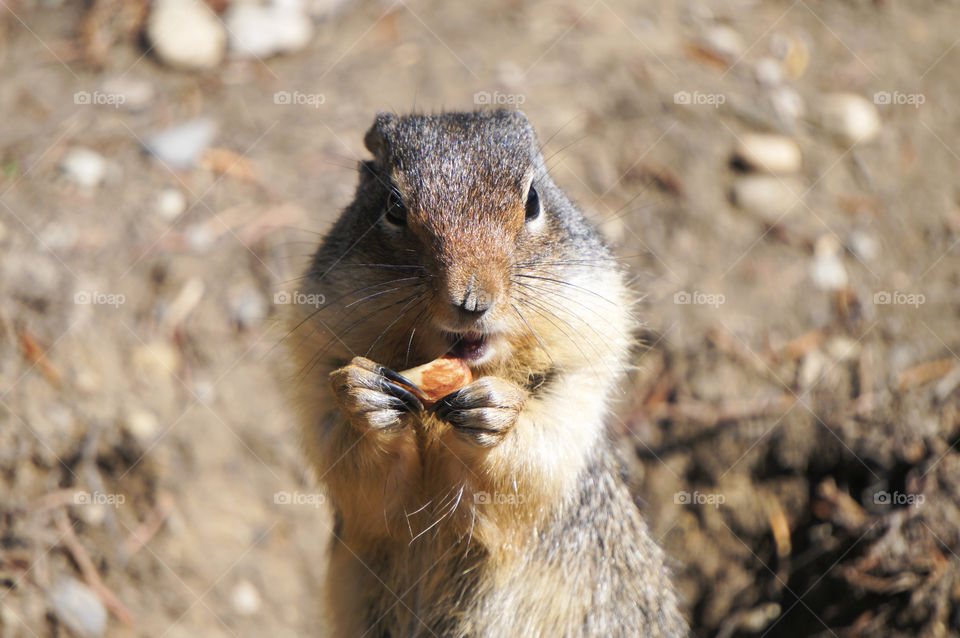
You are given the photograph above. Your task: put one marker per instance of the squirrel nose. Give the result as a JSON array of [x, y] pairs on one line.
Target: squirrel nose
[[476, 301]]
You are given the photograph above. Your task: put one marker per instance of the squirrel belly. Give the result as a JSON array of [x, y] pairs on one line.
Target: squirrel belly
[[499, 508]]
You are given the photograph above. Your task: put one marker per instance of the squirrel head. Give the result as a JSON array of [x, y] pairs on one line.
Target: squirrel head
[[466, 199]]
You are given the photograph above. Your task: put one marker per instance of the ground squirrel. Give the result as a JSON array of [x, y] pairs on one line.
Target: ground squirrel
[[501, 510]]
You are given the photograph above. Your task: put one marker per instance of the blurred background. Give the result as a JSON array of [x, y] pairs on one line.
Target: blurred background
[[780, 177]]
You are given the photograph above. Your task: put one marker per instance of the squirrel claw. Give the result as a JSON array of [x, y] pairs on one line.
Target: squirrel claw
[[370, 399], [406, 398], [484, 411], [401, 380]]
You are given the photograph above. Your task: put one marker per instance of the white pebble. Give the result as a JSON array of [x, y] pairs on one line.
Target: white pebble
[[141, 424], [767, 196], [864, 246], [259, 31], [724, 41], [249, 309], [130, 93], [182, 146], [79, 608], [204, 391], [769, 153], [84, 167], [320, 9], [826, 268], [788, 105], [157, 360], [768, 71], [199, 237], [245, 599], [849, 116], [92, 514], [170, 203], [186, 34]]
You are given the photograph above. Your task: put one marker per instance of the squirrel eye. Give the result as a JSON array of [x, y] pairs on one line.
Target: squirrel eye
[[533, 204], [396, 212]]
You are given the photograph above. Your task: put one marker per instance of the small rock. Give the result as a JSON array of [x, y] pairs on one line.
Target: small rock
[[84, 167], [322, 9], [864, 246], [793, 51], [133, 93], [79, 608], [92, 514], [34, 276], [249, 309], [58, 236], [200, 237], [769, 153], [141, 424], [724, 41], [768, 71], [87, 381], [204, 391], [849, 116], [170, 204], [156, 360], [767, 196], [260, 31], [788, 105], [245, 599], [826, 269], [186, 34], [182, 146]]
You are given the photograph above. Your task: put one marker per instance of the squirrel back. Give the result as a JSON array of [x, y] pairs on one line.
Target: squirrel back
[[500, 510]]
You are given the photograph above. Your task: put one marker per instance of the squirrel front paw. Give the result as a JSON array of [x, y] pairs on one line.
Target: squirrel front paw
[[370, 396], [484, 411]]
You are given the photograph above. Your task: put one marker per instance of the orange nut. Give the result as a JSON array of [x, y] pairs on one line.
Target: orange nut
[[439, 378]]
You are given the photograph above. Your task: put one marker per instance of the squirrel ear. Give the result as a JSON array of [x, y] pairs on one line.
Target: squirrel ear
[[521, 116], [377, 138]]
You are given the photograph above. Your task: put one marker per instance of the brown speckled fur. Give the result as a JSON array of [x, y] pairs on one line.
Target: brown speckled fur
[[559, 548]]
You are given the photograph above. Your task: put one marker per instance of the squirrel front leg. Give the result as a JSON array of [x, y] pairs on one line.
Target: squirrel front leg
[[365, 452], [483, 412]]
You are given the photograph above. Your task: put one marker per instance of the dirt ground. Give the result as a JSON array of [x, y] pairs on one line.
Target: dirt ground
[[797, 441]]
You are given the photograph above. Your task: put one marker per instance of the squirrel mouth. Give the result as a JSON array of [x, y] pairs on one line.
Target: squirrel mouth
[[469, 346]]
